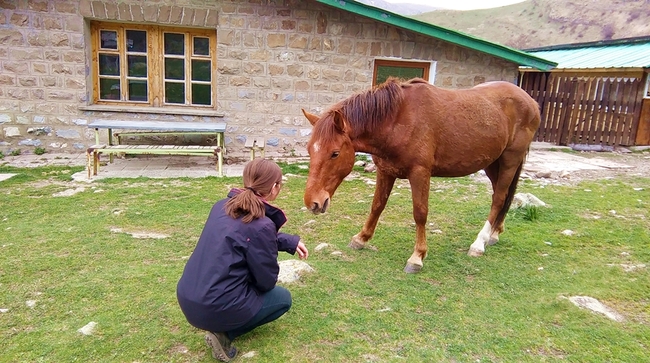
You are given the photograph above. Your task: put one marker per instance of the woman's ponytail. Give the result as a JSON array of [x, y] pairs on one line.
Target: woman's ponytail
[[260, 175]]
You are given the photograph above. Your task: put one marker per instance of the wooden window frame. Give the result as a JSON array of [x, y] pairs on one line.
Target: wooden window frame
[[155, 64], [425, 66]]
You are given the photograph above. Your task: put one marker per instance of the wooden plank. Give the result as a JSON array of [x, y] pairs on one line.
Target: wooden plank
[[591, 126], [564, 117], [546, 83], [616, 117], [643, 129], [585, 112], [582, 123], [536, 85], [610, 105], [542, 98], [159, 125], [553, 108], [633, 87], [598, 110], [622, 120], [636, 119], [573, 118], [550, 109]]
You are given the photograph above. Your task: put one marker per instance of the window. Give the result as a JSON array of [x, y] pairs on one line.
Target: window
[[399, 69], [647, 86], [153, 66]]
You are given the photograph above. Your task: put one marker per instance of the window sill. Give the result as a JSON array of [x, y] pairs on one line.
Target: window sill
[[153, 110]]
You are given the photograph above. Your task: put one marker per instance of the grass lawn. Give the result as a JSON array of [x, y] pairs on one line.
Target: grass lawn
[[66, 261]]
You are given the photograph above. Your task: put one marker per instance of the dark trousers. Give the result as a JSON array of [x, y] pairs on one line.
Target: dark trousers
[[276, 302]]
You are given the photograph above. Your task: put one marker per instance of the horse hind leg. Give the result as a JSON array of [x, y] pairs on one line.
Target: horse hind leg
[[492, 172], [504, 184], [382, 191]]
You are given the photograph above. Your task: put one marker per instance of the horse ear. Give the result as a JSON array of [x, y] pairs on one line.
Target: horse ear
[[310, 116], [339, 123]]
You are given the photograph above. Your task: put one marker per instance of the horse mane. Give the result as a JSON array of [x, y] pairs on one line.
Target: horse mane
[[365, 111]]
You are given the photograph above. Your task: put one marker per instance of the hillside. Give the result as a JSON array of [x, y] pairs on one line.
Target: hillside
[[535, 23], [399, 8]]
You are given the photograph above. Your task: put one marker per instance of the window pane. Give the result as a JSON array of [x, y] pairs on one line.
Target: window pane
[[109, 89], [137, 90], [201, 46], [136, 41], [137, 66], [200, 70], [174, 68], [174, 43], [109, 64], [383, 72], [108, 39], [174, 92], [201, 94]]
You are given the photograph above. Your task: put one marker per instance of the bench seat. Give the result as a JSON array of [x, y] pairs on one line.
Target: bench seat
[[94, 151]]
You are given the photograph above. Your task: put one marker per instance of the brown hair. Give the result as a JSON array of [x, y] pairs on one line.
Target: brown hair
[[260, 175]]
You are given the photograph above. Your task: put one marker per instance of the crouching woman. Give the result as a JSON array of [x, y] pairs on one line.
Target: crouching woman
[[228, 286]]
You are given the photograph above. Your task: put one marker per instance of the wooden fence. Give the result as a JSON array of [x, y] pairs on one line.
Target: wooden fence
[[594, 110]]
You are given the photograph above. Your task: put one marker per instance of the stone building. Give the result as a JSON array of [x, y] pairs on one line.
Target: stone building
[[251, 63]]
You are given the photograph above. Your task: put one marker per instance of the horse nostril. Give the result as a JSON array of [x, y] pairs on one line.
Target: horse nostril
[[326, 204], [314, 208]]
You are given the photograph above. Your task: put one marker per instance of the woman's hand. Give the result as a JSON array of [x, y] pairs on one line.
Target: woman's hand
[[302, 251]]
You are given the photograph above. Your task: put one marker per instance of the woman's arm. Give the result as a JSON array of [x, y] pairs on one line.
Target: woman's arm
[[288, 242], [262, 259]]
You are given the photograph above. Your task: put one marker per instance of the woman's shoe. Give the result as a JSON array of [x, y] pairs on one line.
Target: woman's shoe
[[221, 347]]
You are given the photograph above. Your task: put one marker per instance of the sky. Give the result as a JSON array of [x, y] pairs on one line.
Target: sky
[[460, 4]]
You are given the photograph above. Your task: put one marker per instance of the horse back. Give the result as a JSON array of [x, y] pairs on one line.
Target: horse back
[[459, 132]]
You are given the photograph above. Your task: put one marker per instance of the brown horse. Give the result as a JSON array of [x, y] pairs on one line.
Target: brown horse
[[414, 131]]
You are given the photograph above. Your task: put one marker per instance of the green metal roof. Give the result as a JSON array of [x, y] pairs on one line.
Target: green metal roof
[[621, 53], [448, 35]]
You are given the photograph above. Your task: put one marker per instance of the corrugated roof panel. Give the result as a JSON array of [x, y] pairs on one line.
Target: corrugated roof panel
[[635, 55]]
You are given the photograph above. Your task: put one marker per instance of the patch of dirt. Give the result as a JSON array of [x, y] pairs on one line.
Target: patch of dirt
[[572, 167]]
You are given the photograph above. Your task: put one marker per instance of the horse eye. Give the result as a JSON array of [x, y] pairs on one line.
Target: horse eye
[[335, 155]]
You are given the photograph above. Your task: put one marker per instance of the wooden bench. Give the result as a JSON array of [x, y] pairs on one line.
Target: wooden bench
[[145, 128]]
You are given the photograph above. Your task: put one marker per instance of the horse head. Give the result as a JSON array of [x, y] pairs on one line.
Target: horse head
[[331, 158]]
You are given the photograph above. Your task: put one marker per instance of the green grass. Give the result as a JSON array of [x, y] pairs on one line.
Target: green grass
[[507, 306]]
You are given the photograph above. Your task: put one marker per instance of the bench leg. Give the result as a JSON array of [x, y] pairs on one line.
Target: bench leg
[[220, 162], [95, 162], [89, 162]]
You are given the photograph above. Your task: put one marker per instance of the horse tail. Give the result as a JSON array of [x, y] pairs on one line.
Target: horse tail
[[509, 197]]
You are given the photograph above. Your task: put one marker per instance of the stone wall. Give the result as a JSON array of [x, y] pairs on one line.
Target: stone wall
[[274, 58]]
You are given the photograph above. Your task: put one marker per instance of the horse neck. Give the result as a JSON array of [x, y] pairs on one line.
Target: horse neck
[[369, 143]]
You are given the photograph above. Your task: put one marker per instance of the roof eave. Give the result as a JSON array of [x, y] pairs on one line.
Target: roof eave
[[608, 70], [497, 50]]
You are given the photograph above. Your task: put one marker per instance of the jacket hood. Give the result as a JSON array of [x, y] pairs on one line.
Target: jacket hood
[[275, 214]]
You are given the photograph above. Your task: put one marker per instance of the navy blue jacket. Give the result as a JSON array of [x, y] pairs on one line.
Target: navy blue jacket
[[232, 265]]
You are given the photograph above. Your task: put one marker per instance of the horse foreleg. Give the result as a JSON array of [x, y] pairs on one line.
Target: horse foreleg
[[502, 177], [420, 183], [382, 192]]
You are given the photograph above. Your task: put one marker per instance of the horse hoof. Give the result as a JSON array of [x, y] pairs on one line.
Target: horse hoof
[[411, 268], [356, 243], [474, 253]]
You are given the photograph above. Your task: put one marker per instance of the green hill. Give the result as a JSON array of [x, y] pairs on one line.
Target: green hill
[[535, 23]]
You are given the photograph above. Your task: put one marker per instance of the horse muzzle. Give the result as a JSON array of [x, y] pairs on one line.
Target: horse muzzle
[[318, 208]]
